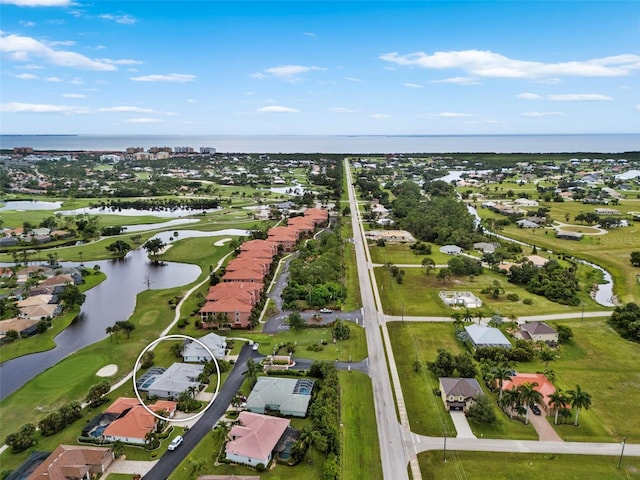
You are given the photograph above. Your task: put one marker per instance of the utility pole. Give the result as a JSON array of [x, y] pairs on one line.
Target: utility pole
[[147, 281], [624, 440], [444, 451], [402, 312]]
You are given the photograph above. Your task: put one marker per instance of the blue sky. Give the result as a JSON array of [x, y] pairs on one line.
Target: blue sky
[[305, 67]]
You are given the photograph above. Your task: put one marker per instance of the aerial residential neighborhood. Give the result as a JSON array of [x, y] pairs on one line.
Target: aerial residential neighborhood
[[308, 325]]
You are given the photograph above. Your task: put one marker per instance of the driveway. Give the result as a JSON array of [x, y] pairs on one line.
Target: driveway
[[461, 424], [543, 428]]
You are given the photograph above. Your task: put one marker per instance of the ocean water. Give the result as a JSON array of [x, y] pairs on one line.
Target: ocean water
[[348, 144]]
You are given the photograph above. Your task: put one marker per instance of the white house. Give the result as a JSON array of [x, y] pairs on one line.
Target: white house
[[451, 249], [194, 352]]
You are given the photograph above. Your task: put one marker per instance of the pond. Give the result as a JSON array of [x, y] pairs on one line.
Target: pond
[[132, 212], [112, 300], [29, 205]]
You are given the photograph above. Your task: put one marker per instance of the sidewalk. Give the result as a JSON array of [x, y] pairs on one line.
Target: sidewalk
[[122, 465]]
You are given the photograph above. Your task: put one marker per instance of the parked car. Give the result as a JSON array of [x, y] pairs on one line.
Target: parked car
[[255, 346], [175, 443], [325, 310], [535, 409]]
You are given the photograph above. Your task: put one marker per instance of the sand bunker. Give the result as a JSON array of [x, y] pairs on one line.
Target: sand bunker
[[107, 371], [220, 243]]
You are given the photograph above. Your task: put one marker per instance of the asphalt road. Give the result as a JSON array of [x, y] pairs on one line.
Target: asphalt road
[[392, 451], [170, 460]]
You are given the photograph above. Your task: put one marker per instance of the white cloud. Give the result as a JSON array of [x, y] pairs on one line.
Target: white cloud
[[353, 79], [379, 116], [126, 108], [413, 85], [144, 120], [76, 81], [20, 48], [458, 81], [541, 114], [637, 108], [123, 19], [289, 73], [27, 76], [53, 79], [27, 24], [485, 63], [38, 3], [340, 110], [171, 77], [32, 67], [530, 96], [309, 34], [74, 95], [449, 115], [277, 109], [191, 100], [122, 61], [16, 107], [60, 43], [579, 97]]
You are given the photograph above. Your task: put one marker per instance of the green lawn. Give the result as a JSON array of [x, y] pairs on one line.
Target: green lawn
[[427, 414], [525, 466], [360, 447], [354, 299], [401, 254], [611, 251], [418, 295]]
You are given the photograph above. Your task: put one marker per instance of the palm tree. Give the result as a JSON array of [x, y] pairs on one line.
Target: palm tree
[[501, 372], [579, 399], [458, 323], [467, 316], [528, 395], [557, 400], [546, 355], [511, 399]]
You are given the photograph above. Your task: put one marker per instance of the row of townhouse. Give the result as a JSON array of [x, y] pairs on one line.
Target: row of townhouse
[[229, 303]]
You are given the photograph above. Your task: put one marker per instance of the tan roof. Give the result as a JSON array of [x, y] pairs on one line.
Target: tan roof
[[256, 435], [55, 281], [35, 300], [39, 311], [17, 324], [70, 461]]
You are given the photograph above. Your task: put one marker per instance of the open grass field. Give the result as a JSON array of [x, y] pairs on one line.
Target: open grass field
[[418, 295], [529, 466], [611, 251], [401, 254], [354, 299], [597, 359], [427, 414], [360, 447]]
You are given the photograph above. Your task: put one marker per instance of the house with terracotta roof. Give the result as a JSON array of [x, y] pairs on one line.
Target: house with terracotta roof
[[249, 276], [258, 245], [302, 225], [459, 393], [319, 215], [285, 237], [254, 438], [246, 292], [235, 312], [544, 386], [133, 422], [260, 265], [72, 462]]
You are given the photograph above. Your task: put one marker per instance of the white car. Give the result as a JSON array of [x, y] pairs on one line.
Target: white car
[[325, 310], [175, 443], [255, 346]]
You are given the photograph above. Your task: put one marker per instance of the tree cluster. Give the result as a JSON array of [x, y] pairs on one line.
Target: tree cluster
[[463, 265], [96, 393], [625, 320], [551, 281], [448, 365], [316, 275], [56, 421]]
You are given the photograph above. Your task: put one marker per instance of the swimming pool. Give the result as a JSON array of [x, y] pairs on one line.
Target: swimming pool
[[97, 432], [147, 383]]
